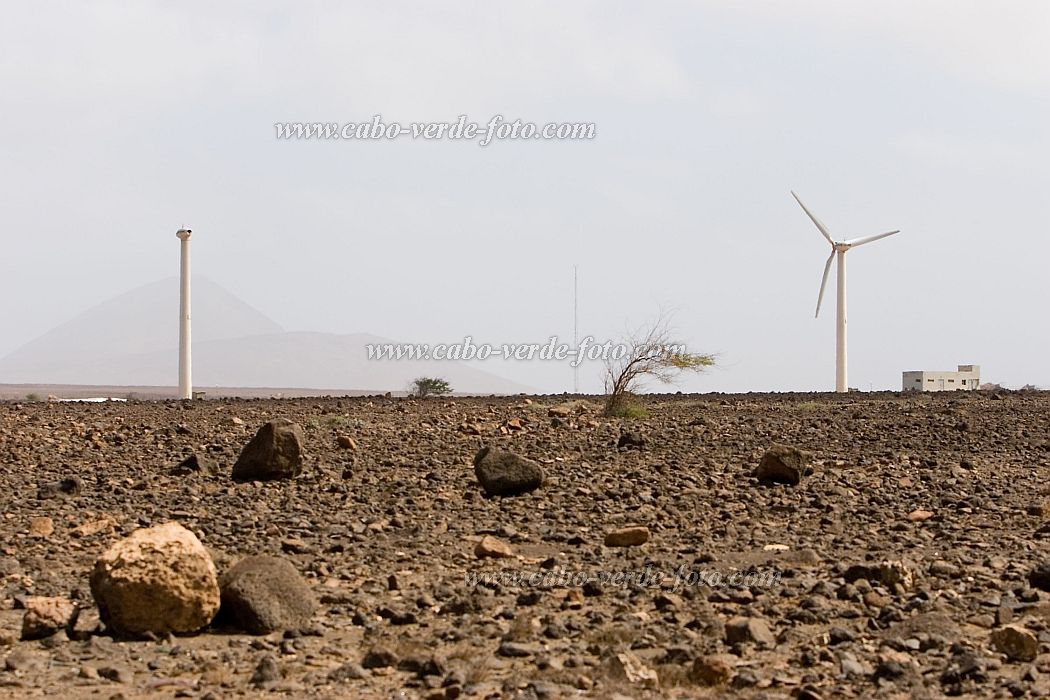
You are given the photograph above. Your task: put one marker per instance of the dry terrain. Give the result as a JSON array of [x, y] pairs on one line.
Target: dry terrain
[[37, 392], [901, 565]]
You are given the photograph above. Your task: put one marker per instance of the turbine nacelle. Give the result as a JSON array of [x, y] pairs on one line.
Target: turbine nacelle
[[836, 246], [846, 245]]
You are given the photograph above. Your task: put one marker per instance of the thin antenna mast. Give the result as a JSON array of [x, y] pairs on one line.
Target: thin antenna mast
[[576, 328]]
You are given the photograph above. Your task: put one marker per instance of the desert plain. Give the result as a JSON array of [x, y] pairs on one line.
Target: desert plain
[[908, 561]]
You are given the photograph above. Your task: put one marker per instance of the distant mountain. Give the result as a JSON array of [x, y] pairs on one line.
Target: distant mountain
[[133, 340], [142, 320]]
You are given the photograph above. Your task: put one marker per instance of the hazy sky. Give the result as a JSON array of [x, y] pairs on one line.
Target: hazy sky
[[119, 122]]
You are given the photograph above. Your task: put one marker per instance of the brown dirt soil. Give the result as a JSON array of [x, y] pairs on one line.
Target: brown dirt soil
[[951, 489]]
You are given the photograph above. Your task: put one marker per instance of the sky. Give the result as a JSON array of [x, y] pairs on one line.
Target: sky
[[122, 121]]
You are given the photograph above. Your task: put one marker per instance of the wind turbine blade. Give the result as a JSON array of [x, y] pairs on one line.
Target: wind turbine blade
[[824, 282], [820, 225], [869, 239]]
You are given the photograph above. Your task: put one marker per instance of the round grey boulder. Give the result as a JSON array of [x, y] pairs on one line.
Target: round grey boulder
[[263, 594]]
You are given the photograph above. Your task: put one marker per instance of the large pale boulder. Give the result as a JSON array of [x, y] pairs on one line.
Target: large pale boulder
[[157, 580]]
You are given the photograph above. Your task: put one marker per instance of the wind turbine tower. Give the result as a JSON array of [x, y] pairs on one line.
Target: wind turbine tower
[[838, 251], [185, 360]]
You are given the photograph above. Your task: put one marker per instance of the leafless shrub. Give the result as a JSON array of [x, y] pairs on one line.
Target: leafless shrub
[[651, 353]]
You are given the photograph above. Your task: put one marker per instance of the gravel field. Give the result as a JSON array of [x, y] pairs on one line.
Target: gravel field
[[656, 559]]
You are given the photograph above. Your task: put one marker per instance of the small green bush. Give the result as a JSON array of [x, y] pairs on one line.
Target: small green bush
[[429, 386], [624, 409]]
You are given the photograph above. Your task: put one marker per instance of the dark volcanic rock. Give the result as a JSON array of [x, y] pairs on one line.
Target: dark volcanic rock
[[350, 671], [966, 664], [1039, 577], [116, 673], [749, 629], [631, 439], [782, 464], [503, 473], [379, 657], [267, 671], [888, 573], [276, 452], [263, 594], [516, 649], [194, 464], [64, 487], [23, 659]]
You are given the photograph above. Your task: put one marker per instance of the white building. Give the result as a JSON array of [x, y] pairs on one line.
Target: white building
[[968, 378]]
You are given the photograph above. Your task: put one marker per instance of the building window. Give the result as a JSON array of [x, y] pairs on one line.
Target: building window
[[951, 381]]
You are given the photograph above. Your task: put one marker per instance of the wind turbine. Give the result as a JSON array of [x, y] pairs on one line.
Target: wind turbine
[[838, 250]]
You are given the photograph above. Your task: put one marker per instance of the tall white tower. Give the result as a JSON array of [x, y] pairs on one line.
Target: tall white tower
[[185, 361]]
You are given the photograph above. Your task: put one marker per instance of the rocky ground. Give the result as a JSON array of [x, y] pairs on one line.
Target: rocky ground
[[905, 563]]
